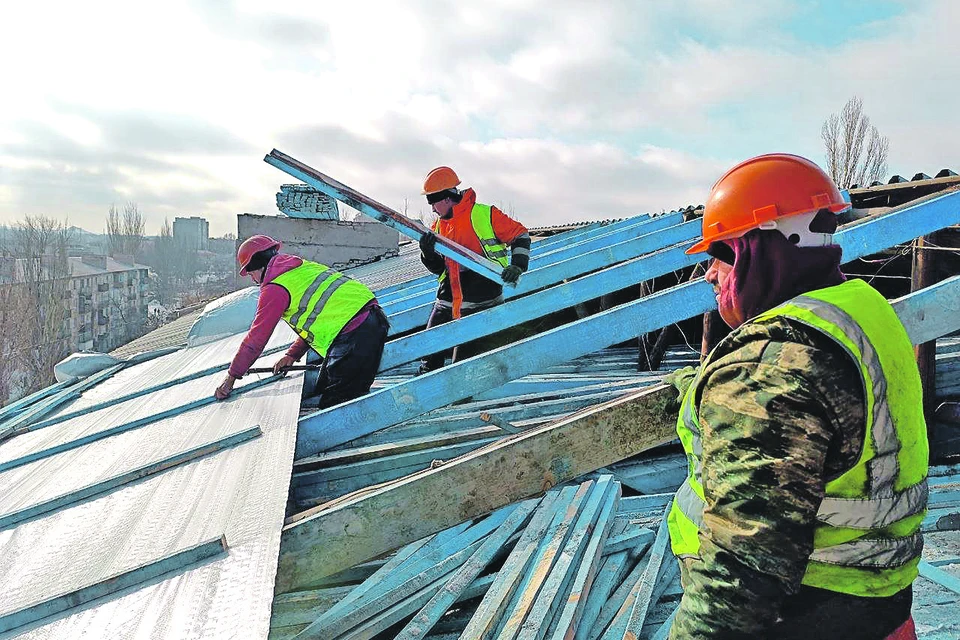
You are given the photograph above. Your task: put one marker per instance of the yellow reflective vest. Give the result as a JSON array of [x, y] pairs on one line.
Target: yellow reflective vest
[[322, 302], [480, 220], [867, 541]]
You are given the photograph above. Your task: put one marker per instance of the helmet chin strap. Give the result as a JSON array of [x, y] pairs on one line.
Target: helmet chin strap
[[796, 229]]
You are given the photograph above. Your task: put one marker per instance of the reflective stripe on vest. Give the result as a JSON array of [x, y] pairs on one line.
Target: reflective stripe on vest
[[870, 517], [481, 219], [322, 302]]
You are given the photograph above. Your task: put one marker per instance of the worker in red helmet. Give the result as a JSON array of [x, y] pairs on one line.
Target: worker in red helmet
[[803, 429], [482, 228], [334, 315]]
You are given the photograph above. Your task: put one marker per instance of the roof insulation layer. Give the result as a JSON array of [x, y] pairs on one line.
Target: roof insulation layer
[[238, 492]]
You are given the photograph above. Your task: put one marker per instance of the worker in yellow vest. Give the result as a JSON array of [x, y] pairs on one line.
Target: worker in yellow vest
[[334, 315], [482, 228], [803, 429]]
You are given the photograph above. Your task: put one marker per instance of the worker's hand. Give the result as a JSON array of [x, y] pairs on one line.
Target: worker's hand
[[427, 243], [282, 364], [511, 274], [225, 388]]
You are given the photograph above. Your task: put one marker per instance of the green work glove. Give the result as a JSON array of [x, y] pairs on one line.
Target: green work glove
[[511, 274]]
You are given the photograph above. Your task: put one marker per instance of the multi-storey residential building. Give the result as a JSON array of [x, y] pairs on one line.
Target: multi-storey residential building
[[191, 233], [108, 304]]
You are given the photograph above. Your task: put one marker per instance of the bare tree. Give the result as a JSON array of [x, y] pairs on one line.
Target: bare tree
[[125, 230], [856, 152], [164, 262], [36, 303]]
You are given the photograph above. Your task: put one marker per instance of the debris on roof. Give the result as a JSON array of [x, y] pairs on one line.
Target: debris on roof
[[520, 491]]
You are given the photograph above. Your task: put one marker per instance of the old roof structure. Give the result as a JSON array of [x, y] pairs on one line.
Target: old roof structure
[[486, 495]]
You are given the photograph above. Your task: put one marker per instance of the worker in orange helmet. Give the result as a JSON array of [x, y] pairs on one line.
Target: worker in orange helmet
[[482, 228], [804, 429], [335, 316]]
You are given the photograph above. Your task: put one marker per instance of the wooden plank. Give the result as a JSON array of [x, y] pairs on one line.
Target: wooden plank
[[401, 610], [619, 601], [303, 607], [317, 544], [64, 602], [932, 312], [433, 576], [619, 244], [404, 445], [664, 631], [552, 597], [419, 571], [611, 574], [398, 560], [524, 599], [661, 560], [325, 429], [550, 300], [325, 541], [98, 488], [568, 620], [933, 308], [413, 313], [407, 226], [628, 540], [438, 605], [484, 622], [501, 424], [126, 426], [939, 576], [374, 465]]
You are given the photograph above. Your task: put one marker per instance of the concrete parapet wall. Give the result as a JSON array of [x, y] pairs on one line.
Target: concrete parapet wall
[[336, 243]]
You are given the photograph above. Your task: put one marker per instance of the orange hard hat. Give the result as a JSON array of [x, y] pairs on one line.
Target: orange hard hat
[[440, 179], [759, 191], [252, 246]]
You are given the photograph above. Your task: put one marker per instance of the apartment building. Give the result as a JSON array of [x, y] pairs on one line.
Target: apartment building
[[191, 233], [108, 303]]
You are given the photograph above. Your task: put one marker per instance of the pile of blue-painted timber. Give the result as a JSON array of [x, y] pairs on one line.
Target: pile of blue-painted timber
[[581, 562]]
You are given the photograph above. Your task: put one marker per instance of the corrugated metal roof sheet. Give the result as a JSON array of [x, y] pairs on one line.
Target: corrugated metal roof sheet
[[239, 492], [172, 334]]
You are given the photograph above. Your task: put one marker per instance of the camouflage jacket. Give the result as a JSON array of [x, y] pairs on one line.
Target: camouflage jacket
[[781, 409]]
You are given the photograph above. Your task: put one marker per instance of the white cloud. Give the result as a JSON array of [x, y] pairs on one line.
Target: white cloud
[[563, 109]]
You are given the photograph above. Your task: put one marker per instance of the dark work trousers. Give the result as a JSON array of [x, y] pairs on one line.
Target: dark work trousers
[[442, 315], [352, 361]]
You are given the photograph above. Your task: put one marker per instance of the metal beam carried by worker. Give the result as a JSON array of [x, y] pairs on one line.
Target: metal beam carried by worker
[[408, 227]]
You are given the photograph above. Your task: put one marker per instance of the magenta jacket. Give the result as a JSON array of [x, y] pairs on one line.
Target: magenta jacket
[[273, 301]]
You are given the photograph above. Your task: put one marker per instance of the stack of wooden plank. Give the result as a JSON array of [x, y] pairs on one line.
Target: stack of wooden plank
[[577, 563]]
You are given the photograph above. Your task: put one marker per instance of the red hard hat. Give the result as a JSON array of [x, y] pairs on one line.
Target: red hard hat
[[763, 189], [253, 245]]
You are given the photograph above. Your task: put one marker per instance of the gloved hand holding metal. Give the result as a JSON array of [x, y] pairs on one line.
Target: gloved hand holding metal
[[427, 242], [511, 274]]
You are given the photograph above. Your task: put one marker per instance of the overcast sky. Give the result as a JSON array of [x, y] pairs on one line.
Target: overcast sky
[[557, 110]]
